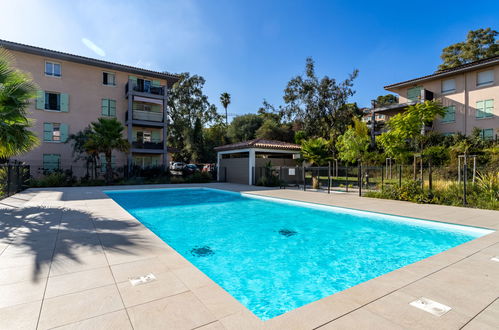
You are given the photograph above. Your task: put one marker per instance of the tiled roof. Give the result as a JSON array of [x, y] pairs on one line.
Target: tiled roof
[[171, 78], [260, 143], [447, 72]]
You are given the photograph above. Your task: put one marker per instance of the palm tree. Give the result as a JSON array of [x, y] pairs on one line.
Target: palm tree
[[225, 100], [316, 152], [16, 90], [105, 137]]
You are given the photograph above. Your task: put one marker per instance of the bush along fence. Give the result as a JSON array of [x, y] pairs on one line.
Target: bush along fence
[[422, 183], [13, 178]]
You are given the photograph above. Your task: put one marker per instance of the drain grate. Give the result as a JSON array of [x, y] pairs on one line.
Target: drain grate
[[287, 232], [496, 259], [203, 251], [142, 279], [430, 306]]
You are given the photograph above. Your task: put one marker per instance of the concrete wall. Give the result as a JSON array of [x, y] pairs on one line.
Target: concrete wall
[[465, 120], [236, 169], [84, 85]]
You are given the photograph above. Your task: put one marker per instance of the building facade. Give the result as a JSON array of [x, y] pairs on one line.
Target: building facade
[[469, 92], [74, 91]]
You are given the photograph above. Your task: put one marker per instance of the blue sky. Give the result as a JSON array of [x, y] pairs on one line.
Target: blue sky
[[252, 48]]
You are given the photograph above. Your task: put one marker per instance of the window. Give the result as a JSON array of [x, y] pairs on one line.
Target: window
[[414, 93], [109, 78], [448, 133], [484, 109], [108, 107], [448, 86], [103, 162], [51, 162], [485, 78], [52, 69], [146, 161], [53, 101], [55, 132], [450, 114], [487, 134]]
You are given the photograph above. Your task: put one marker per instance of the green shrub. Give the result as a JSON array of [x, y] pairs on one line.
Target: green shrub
[[54, 179]]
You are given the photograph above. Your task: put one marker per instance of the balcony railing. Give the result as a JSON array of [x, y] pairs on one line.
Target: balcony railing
[[148, 145], [144, 88], [146, 115]]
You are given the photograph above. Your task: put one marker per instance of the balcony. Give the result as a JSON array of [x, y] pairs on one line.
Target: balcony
[[148, 145], [146, 118], [144, 88]]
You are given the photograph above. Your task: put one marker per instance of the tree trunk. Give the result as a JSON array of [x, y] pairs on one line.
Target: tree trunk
[[315, 181], [109, 168]]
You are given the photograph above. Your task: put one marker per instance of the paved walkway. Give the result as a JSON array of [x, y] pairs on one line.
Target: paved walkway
[[66, 255]]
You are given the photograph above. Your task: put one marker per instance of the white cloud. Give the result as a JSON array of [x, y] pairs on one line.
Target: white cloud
[[93, 47]]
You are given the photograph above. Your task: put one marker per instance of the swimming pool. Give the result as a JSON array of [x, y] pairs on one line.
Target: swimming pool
[[276, 255]]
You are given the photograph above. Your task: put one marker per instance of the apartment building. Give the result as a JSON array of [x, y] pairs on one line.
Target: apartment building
[[75, 91], [469, 92]]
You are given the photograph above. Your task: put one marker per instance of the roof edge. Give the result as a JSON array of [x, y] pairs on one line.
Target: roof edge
[[14, 46]]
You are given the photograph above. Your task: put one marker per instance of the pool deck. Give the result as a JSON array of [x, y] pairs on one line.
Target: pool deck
[[66, 256]]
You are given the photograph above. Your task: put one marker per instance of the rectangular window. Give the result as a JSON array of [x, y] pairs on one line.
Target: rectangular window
[[448, 133], [52, 69], [414, 93], [485, 78], [487, 134], [448, 86], [484, 109], [108, 107], [55, 132], [450, 114], [109, 78], [52, 101], [103, 162], [51, 162]]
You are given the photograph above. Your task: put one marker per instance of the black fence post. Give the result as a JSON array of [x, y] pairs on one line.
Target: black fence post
[[8, 179], [359, 173], [382, 177], [430, 176], [400, 176], [465, 179], [346, 177], [329, 177], [303, 177]]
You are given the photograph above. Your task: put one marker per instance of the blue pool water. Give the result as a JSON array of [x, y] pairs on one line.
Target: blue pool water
[[276, 255]]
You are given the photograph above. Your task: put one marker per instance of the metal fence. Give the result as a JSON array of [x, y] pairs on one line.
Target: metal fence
[[13, 179]]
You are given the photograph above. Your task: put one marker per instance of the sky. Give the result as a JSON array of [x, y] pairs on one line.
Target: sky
[[251, 49]]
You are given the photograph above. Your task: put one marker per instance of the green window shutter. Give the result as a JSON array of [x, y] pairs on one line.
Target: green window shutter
[[155, 136], [51, 161], [64, 101], [64, 132], [489, 108], [480, 109], [156, 83], [112, 108], [102, 159], [47, 131], [156, 108], [40, 100], [488, 134], [450, 114], [134, 135], [414, 93], [105, 107], [132, 78]]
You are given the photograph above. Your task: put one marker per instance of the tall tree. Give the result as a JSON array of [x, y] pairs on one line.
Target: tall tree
[[187, 103], [106, 136], [353, 144], [16, 90], [81, 151], [479, 44], [225, 100], [244, 127], [317, 103], [387, 99], [406, 129]]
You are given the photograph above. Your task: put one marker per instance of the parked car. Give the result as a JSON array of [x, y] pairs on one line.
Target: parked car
[[190, 169], [177, 166], [208, 167]]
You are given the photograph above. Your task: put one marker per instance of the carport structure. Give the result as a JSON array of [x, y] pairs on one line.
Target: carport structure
[[237, 162]]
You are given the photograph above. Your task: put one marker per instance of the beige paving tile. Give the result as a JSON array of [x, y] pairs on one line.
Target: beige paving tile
[[182, 311], [165, 285], [218, 301], [395, 308], [23, 273], [76, 261], [115, 320], [125, 253], [78, 281], [212, 326], [192, 277], [122, 272], [361, 319], [242, 320], [23, 316], [21, 292], [479, 325], [79, 306], [490, 315]]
